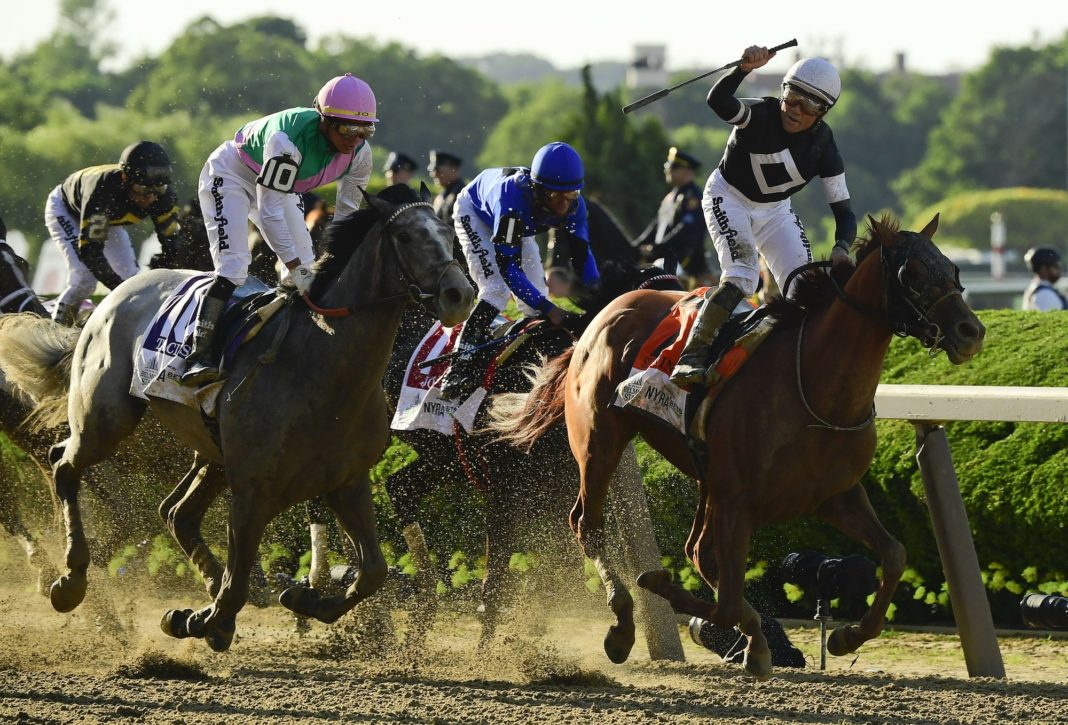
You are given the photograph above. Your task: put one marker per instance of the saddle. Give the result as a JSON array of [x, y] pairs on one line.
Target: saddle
[[420, 405], [649, 390], [249, 308]]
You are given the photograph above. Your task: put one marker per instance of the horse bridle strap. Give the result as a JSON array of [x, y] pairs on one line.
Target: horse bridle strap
[[20, 292], [804, 401], [413, 291]]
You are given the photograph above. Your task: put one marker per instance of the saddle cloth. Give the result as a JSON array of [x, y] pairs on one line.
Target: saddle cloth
[[420, 405], [161, 351], [649, 389]]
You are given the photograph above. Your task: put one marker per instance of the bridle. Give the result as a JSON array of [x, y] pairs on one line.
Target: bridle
[[413, 290], [25, 292], [903, 311]]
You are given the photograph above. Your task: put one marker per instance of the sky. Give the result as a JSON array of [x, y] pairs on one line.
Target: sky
[[937, 36]]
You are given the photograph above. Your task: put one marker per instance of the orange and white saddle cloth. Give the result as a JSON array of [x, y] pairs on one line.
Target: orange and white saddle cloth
[[649, 389]]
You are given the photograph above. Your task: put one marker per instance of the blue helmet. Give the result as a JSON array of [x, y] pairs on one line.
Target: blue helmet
[[558, 167]]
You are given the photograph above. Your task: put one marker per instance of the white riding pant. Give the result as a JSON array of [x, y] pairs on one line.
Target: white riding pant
[[741, 229], [476, 239], [227, 191], [65, 230]]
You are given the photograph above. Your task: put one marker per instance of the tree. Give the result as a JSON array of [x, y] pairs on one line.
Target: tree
[[624, 157], [1005, 128], [223, 71]]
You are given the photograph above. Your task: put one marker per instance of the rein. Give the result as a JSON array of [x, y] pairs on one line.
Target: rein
[[26, 292], [412, 289], [804, 401]]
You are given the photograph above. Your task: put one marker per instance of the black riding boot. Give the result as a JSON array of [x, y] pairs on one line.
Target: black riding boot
[[202, 368], [465, 373], [692, 368], [66, 314]]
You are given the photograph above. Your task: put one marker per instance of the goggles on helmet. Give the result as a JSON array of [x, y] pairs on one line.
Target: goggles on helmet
[[146, 189], [349, 129], [805, 103]]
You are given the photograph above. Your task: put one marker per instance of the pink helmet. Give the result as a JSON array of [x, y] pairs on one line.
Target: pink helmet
[[347, 97]]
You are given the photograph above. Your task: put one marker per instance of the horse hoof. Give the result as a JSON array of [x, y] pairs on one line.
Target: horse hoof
[[175, 623], [618, 643], [758, 665], [67, 593], [655, 581], [840, 642], [302, 600], [221, 635]]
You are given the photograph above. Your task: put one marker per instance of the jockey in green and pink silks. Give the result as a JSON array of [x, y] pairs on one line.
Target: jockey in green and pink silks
[[260, 175]]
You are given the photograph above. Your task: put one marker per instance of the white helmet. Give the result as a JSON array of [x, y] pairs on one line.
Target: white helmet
[[815, 77]]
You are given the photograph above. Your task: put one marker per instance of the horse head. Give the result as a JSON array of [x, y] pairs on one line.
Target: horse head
[[923, 292], [16, 294], [417, 255]]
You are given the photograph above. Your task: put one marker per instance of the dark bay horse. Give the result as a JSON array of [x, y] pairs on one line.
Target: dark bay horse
[[791, 435], [299, 418], [519, 486], [16, 295]]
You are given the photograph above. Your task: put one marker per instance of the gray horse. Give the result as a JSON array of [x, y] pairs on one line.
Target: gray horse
[[296, 419]]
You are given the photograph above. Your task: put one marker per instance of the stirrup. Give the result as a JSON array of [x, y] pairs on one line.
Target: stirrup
[[200, 374]]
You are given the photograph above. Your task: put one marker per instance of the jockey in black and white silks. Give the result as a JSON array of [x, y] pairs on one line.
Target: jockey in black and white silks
[[777, 146], [87, 214]]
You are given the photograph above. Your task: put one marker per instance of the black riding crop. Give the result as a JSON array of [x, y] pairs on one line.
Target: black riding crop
[[656, 96]]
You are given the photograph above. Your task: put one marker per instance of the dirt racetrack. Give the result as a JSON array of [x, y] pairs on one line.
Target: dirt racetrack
[[59, 668]]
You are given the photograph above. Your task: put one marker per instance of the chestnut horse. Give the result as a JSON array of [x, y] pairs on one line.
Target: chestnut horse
[[791, 434]]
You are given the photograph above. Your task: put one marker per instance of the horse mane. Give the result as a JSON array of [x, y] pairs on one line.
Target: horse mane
[[814, 289], [342, 237]]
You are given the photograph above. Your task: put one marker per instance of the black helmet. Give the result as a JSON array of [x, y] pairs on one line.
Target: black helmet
[[1038, 257], [146, 162]]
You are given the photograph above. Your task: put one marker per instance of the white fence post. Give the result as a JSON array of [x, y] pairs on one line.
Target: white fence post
[[967, 595]]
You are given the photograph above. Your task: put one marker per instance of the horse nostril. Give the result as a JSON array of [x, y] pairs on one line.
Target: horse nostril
[[452, 297], [969, 331]]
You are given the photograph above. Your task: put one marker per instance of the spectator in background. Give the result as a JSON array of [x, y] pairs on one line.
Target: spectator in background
[[678, 234], [444, 168], [399, 168], [1041, 295]]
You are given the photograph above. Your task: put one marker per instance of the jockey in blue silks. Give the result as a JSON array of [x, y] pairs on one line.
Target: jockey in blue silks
[[496, 218]]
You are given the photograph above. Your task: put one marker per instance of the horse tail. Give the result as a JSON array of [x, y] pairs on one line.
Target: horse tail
[[523, 418], [35, 357]]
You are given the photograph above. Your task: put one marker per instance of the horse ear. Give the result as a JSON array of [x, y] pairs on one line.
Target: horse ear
[[931, 228], [879, 229], [373, 202], [424, 193]]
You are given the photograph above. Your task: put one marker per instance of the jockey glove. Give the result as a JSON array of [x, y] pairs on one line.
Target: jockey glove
[[302, 277]]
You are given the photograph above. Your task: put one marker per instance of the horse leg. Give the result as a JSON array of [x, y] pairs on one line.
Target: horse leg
[[851, 513], [11, 519], [354, 508], [101, 415], [184, 509], [319, 530], [216, 623], [721, 553], [597, 451], [501, 531], [406, 489]]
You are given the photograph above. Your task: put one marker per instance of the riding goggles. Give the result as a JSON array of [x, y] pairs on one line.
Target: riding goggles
[[360, 130], [806, 104], [556, 196], [149, 189]]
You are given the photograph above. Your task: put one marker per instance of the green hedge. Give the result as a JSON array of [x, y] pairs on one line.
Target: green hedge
[[1013, 478], [1032, 217]]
